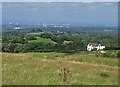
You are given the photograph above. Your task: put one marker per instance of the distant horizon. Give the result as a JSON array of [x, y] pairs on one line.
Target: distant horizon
[[57, 23], [95, 13]]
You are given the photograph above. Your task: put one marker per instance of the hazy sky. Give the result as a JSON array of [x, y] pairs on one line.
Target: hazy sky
[[73, 13], [60, 0]]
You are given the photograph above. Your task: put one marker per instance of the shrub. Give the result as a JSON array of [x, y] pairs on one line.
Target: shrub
[[104, 74], [112, 54]]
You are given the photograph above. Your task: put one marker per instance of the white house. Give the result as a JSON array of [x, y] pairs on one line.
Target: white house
[[92, 46], [89, 47], [100, 47]]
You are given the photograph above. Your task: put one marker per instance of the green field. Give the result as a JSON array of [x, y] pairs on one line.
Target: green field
[[36, 33], [43, 40], [44, 69], [66, 42]]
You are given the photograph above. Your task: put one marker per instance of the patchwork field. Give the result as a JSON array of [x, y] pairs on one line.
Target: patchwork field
[[45, 69]]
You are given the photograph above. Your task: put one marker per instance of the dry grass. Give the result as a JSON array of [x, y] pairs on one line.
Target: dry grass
[[24, 69]]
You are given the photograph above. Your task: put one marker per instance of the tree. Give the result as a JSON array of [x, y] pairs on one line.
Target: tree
[[10, 47], [20, 48]]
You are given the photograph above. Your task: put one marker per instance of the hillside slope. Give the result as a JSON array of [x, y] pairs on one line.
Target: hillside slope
[[45, 69]]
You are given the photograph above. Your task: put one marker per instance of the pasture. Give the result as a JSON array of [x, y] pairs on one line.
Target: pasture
[[36, 33], [42, 40], [45, 68]]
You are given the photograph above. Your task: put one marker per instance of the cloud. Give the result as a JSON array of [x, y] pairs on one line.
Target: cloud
[[30, 6], [66, 12], [25, 1], [89, 1]]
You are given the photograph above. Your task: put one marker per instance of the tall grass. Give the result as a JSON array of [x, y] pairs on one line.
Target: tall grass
[[29, 69]]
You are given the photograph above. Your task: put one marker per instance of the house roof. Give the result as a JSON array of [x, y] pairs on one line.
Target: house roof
[[95, 44]]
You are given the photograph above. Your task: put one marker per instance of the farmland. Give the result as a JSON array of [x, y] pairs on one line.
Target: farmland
[[43, 40], [44, 68], [36, 33]]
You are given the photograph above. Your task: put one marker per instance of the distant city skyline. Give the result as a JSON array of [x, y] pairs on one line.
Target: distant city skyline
[[78, 13]]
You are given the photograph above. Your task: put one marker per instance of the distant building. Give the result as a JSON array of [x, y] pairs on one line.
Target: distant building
[[17, 28], [94, 46], [44, 25]]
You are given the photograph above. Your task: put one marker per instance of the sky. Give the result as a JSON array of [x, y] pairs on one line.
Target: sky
[[60, 0], [81, 13]]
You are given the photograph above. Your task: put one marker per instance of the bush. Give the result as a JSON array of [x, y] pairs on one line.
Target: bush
[[112, 54], [104, 74]]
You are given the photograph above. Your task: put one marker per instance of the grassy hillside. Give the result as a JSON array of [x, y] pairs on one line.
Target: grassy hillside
[[43, 40], [45, 69]]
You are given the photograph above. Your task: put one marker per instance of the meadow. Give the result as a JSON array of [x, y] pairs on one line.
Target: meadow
[[42, 40], [45, 69], [35, 33]]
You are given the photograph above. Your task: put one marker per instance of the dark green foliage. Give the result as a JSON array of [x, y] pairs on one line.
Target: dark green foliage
[[46, 35], [9, 47], [104, 74], [110, 54], [30, 37], [76, 42], [20, 48], [58, 40]]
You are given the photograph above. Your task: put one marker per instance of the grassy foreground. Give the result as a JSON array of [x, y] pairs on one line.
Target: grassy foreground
[[44, 69]]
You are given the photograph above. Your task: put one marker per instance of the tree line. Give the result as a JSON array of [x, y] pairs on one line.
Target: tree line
[[76, 42]]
